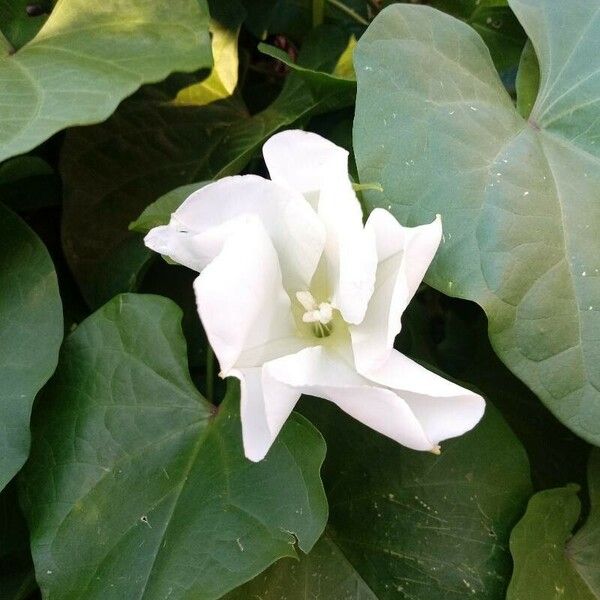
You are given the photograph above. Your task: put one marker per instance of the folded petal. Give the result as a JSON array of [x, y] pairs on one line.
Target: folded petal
[[321, 372], [444, 409], [177, 245], [241, 301], [259, 430], [318, 168], [304, 161], [293, 226], [350, 254], [404, 255]]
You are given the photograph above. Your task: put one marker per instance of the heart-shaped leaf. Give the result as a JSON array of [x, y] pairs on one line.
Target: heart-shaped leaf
[[518, 198], [87, 57], [549, 562], [31, 330], [135, 489]]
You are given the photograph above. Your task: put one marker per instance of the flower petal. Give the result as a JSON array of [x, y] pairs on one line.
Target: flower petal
[[258, 432], [403, 254], [304, 161], [444, 409], [242, 304], [177, 245], [350, 254], [294, 227], [318, 168], [319, 371]]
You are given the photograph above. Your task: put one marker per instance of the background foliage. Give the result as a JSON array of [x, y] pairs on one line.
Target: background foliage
[[111, 113]]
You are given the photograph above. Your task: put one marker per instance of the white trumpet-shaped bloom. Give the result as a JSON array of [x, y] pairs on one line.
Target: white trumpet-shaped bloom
[[297, 296]]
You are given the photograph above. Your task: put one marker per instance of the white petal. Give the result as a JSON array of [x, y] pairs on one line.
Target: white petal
[[318, 371], [177, 245], [350, 253], [258, 431], [304, 161], [242, 304], [443, 408], [318, 168], [294, 227], [403, 254]]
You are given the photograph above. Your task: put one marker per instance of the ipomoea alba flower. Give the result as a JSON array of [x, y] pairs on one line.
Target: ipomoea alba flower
[[298, 296]]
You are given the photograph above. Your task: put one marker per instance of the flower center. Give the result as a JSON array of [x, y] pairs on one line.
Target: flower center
[[319, 315]]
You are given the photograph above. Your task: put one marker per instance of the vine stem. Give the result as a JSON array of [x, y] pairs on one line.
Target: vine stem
[[351, 13]]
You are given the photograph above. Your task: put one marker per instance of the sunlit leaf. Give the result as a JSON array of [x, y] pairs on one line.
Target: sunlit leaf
[[87, 57], [222, 81]]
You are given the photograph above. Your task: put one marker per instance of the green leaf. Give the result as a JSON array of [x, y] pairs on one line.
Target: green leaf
[[324, 574], [31, 330], [518, 199], [542, 570], [135, 489], [159, 212], [528, 81], [113, 171], [88, 57], [416, 525], [495, 23], [318, 78], [549, 563]]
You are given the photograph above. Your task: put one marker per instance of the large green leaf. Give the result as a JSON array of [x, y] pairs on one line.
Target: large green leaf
[[31, 330], [405, 524], [136, 489], [518, 198], [549, 563], [88, 56], [114, 170]]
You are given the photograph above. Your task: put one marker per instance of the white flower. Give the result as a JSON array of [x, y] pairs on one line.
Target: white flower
[[298, 297]]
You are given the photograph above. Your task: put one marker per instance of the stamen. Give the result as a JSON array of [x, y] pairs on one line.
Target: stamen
[[320, 315], [307, 300]]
